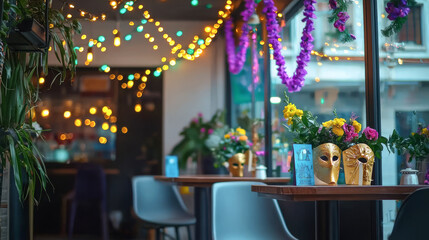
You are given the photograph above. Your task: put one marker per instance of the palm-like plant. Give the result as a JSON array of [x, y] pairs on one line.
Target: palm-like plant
[[19, 93]]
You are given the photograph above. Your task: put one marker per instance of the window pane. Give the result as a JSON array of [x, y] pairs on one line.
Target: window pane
[[335, 80], [404, 75]]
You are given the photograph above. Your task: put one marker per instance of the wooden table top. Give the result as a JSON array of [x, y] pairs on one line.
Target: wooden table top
[[341, 192], [73, 171], [208, 180]]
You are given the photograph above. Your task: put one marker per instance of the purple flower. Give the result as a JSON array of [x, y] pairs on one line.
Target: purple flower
[[260, 153], [370, 133], [397, 11], [249, 143], [349, 132], [333, 4], [340, 24], [200, 115], [320, 129], [202, 130], [353, 36], [195, 120], [210, 131]]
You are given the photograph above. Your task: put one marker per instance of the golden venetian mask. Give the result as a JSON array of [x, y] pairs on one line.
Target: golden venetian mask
[[358, 162], [236, 164], [326, 164]]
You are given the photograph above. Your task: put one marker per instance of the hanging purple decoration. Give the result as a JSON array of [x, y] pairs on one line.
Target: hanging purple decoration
[[296, 82], [236, 61], [255, 67]]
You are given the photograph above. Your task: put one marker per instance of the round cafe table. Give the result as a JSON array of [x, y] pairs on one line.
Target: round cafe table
[[202, 195]]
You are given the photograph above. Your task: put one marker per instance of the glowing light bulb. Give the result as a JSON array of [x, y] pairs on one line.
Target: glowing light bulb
[[179, 33], [105, 126], [78, 122], [67, 114], [173, 62], [45, 113], [89, 55], [93, 110], [41, 80], [113, 129], [117, 40], [124, 130], [138, 108]]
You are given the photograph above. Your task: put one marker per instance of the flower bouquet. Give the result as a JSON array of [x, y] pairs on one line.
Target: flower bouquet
[[332, 140], [234, 148]]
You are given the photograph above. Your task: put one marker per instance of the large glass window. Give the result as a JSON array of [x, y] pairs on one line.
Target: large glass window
[[404, 76], [335, 80]]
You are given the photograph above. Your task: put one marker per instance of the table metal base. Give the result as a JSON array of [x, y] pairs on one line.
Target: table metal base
[[327, 223]]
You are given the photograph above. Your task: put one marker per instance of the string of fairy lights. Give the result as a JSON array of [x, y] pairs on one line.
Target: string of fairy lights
[[194, 50]]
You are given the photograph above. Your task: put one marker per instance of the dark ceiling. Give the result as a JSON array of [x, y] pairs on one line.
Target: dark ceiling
[[161, 9]]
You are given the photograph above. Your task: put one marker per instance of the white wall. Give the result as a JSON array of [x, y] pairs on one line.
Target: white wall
[[189, 87]]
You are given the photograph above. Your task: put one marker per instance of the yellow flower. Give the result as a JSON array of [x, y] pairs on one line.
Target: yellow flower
[[413, 133], [299, 112], [240, 131], [290, 111], [338, 122], [327, 124], [357, 126], [243, 138], [227, 136], [425, 131], [338, 131]]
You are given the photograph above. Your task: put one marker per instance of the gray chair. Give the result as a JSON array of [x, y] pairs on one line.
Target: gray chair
[[238, 213], [411, 221], [159, 205]]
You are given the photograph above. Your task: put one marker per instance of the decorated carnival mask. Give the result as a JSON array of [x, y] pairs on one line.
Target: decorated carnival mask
[[358, 162], [326, 164], [236, 164]]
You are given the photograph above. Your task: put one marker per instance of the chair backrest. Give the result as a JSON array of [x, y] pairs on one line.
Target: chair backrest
[[411, 221], [239, 213], [154, 200], [90, 183]]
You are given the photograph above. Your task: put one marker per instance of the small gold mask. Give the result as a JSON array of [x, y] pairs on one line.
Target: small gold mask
[[236, 164], [326, 164], [358, 162]]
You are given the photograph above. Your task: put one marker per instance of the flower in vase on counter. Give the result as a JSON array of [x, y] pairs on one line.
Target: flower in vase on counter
[[234, 141], [416, 144]]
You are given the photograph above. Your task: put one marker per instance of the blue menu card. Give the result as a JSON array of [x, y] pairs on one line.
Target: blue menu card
[[303, 160], [171, 166]]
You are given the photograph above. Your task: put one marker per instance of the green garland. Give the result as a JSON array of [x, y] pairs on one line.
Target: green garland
[[341, 7]]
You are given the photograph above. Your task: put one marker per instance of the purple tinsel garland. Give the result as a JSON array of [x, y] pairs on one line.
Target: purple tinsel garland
[[236, 61], [295, 83]]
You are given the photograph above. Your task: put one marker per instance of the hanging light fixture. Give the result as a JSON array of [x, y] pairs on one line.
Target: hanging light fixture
[[89, 55]]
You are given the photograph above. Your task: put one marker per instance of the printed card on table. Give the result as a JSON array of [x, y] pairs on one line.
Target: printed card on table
[[171, 166], [303, 160]]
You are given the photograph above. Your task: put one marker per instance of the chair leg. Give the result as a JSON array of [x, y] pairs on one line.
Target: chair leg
[[158, 234], [72, 218], [189, 232], [177, 233], [104, 226]]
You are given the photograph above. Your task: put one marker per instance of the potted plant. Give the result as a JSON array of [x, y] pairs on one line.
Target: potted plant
[[193, 140], [19, 91], [415, 146], [335, 139], [235, 149]]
